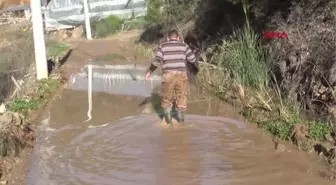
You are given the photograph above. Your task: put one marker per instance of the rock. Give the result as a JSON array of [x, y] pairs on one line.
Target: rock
[[280, 147], [282, 68], [65, 35], [6, 118], [17, 119], [299, 133], [2, 108], [77, 32], [332, 110], [332, 73], [329, 138]]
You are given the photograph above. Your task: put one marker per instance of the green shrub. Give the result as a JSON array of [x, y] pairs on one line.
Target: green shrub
[[279, 129], [22, 105], [107, 26], [244, 57], [318, 130], [137, 23]]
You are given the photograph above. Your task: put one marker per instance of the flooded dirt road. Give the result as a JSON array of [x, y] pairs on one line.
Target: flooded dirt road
[[122, 146]]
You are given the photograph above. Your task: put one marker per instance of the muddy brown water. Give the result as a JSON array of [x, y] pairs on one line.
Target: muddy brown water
[[132, 148]]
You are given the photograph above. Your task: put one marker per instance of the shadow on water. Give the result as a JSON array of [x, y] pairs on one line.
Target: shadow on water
[[155, 101]]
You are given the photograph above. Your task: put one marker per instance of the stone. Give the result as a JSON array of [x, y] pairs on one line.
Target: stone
[[332, 110], [77, 32], [17, 120], [332, 73], [6, 118], [2, 108], [280, 147]]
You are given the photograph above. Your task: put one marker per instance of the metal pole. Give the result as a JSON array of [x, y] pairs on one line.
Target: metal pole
[[87, 20], [39, 42]]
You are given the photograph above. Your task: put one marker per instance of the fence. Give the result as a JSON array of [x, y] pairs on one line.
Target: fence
[[61, 14]]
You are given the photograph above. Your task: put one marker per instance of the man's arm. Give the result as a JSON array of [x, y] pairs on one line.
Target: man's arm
[[191, 58], [157, 59]]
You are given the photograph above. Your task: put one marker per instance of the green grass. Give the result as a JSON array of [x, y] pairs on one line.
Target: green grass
[[112, 24], [56, 48], [107, 26], [244, 57], [23, 105], [318, 130], [137, 23], [46, 86], [279, 129]]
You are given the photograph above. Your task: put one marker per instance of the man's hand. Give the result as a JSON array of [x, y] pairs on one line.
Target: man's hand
[[147, 76]]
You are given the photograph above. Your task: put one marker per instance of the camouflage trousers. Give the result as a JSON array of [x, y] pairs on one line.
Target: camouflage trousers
[[174, 89]]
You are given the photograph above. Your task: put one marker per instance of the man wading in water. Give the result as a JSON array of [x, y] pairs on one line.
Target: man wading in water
[[173, 54]]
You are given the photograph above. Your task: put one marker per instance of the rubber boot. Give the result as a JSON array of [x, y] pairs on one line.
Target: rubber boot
[[180, 115], [168, 117]]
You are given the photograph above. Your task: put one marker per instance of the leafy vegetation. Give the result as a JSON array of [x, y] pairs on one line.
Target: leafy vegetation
[[113, 24], [55, 48], [318, 130], [23, 105], [243, 56], [44, 89]]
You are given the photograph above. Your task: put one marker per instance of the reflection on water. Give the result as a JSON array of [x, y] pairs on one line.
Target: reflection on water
[[136, 151]]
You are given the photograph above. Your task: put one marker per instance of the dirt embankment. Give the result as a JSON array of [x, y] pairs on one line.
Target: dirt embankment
[[22, 97]]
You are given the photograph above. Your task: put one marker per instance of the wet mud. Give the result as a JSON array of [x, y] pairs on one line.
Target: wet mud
[[123, 146]]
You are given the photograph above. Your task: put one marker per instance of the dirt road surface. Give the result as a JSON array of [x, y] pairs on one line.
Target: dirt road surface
[[122, 145]]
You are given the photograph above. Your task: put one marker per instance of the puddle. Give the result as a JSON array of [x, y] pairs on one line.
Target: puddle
[[122, 146]]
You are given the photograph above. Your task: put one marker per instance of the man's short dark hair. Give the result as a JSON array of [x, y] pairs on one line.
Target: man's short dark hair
[[173, 33]]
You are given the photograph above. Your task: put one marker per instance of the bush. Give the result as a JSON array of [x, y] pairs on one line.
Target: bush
[[107, 26], [172, 13], [113, 24], [243, 56], [137, 23], [305, 64], [318, 130]]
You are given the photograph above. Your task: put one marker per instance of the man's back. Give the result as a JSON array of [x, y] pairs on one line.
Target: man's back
[[173, 55]]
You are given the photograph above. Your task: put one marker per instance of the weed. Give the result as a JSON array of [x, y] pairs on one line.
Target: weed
[[23, 105], [137, 23], [113, 24], [55, 48], [46, 86], [168, 13], [107, 26], [243, 56], [279, 129], [318, 130]]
